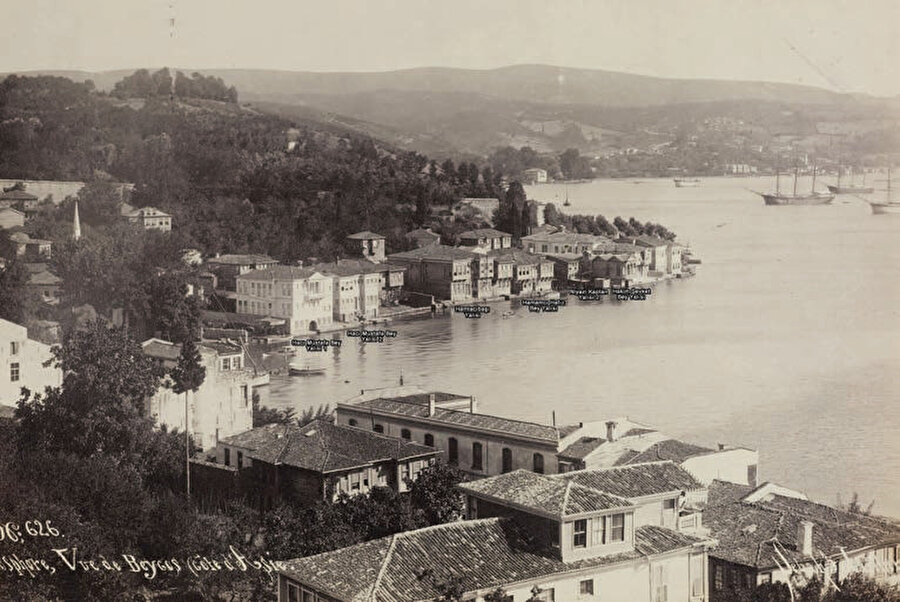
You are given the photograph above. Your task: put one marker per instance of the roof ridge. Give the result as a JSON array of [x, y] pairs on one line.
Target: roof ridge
[[565, 475], [384, 564], [565, 503]]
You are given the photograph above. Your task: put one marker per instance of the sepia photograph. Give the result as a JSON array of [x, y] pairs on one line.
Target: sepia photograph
[[470, 301]]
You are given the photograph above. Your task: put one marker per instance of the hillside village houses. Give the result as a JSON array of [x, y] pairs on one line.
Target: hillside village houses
[[485, 239], [151, 218], [320, 460], [422, 237], [371, 245], [22, 364], [222, 406], [534, 175], [565, 537], [485, 445]]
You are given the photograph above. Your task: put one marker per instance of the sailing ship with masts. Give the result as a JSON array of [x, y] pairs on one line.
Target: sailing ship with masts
[[889, 205], [795, 198], [852, 187]]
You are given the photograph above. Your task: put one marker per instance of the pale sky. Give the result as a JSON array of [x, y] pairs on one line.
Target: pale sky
[[846, 45]]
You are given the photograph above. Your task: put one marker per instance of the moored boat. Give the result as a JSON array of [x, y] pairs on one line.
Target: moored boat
[[296, 369], [812, 198], [686, 182], [888, 206], [850, 189]]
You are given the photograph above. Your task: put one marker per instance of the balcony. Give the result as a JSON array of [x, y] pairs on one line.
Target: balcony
[[692, 522]]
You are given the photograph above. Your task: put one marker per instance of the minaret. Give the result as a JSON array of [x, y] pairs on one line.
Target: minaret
[[76, 224]]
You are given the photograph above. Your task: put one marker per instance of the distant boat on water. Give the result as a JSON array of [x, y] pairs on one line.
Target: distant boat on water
[[888, 206], [567, 203], [779, 198], [686, 182], [297, 369], [851, 187]]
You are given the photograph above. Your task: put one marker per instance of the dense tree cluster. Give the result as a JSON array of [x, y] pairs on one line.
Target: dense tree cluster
[[600, 225], [143, 84]]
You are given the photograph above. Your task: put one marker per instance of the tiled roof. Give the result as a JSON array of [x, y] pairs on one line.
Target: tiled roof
[[279, 272], [635, 480], [234, 259], [435, 253], [581, 448], [44, 278], [758, 534], [365, 235], [543, 494], [163, 350], [17, 195], [465, 419], [423, 398], [519, 256], [670, 449], [483, 554], [148, 211], [484, 233], [348, 267], [322, 446], [422, 233]]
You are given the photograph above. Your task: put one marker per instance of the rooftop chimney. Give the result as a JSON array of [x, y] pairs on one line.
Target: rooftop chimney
[[473, 405], [611, 430], [804, 538], [431, 404]]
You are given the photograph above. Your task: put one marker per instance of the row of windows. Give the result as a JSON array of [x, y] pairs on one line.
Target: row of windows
[[477, 450], [605, 529], [240, 458]]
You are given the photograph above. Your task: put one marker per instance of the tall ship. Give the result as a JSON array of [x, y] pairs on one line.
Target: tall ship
[[810, 198], [852, 187], [888, 206], [686, 182]]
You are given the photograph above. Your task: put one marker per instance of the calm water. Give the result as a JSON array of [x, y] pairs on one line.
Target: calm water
[[787, 340]]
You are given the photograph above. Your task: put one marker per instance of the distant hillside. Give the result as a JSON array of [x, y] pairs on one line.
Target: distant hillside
[[459, 112]]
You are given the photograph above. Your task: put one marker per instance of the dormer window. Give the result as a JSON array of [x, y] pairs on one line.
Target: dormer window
[[617, 528], [579, 535]]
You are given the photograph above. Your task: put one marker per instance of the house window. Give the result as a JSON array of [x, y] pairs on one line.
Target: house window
[[507, 459], [308, 596], [617, 529], [404, 433], [14, 348], [719, 578], [293, 593], [352, 422], [598, 536], [477, 456], [227, 456], [453, 451], [586, 587], [240, 460], [539, 463], [14, 372], [579, 536], [661, 592], [245, 397], [429, 439], [378, 428], [354, 481], [751, 475], [226, 363], [544, 595]]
